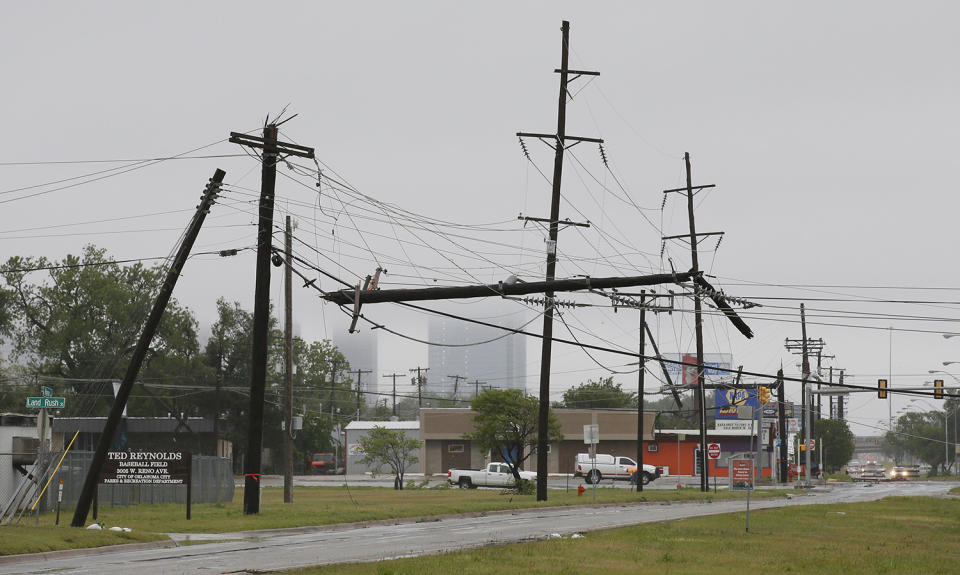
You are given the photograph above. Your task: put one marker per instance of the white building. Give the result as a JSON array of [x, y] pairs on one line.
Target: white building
[[356, 432]]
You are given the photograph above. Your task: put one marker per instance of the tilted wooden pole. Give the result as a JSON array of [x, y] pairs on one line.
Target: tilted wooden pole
[[140, 351]]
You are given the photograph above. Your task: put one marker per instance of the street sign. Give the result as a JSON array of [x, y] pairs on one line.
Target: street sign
[[591, 433], [812, 444], [46, 402], [741, 477], [713, 450], [46, 391]]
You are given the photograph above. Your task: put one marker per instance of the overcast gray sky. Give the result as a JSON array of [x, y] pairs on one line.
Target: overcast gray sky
[[827, 127]]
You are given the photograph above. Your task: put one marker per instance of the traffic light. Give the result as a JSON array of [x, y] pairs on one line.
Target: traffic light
[[764, 394], [938, 389], [881, 388]]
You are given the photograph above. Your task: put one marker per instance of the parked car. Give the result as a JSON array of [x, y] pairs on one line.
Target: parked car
[[324, 463], [650, 473], [494, 475], [607, 466]]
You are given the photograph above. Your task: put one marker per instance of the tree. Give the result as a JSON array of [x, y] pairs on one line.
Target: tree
[[82, 320], [388, 447], [228, 357], [602, 394], [6, 319], [918, 434], [837, 440], [506, 423]]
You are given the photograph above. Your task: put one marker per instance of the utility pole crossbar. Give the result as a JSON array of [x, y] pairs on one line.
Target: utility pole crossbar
[[566, 222], [281, 147], [576, 139]]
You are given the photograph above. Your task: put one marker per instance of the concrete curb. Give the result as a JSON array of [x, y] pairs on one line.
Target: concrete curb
[[84, 551], [254, 534]]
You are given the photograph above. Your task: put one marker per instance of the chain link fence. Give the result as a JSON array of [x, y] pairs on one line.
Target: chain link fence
[[211, 478]]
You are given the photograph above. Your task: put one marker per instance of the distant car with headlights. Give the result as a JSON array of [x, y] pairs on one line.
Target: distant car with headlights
[[872, 472], [904, 472]]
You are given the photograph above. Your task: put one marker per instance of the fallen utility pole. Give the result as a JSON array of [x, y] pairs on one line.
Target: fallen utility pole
[[140, 351], [349, 296], [272, 149]]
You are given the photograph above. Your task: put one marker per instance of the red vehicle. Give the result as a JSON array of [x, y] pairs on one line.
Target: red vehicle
[[323, 463], [795, 471]]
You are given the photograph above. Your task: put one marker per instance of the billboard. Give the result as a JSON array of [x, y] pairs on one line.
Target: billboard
[[728, 400], [770, 410], [686, 375]]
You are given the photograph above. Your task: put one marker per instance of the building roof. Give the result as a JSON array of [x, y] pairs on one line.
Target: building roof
[[18, 420], [361, 425], [135, 424], [710, 432]]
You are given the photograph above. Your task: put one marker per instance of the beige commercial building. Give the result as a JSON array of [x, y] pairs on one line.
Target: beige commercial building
[[443, 445]]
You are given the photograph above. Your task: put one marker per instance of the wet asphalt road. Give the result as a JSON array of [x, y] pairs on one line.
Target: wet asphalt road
[[289, 548]]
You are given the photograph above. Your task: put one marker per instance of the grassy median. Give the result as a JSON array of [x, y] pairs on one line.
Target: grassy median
[[897, 535], [325, 506]]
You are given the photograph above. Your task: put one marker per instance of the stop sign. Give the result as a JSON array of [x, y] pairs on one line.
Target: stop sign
[[713, 450]]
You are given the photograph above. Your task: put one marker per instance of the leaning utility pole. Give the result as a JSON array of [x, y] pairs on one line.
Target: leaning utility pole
[[272, 149], [394, 376], [140, 351], [559, 146], [288, 365], [456, 381]]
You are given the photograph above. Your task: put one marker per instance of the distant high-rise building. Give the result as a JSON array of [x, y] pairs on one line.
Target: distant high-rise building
[[500, 363], [360, 349]]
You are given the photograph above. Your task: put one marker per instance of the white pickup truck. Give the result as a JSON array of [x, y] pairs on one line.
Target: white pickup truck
[[612, 467], [495, 475]]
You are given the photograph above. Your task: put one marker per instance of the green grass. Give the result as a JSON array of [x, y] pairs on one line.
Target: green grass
[[319, 506], [16, 539], [894, 536], [327, 505]]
